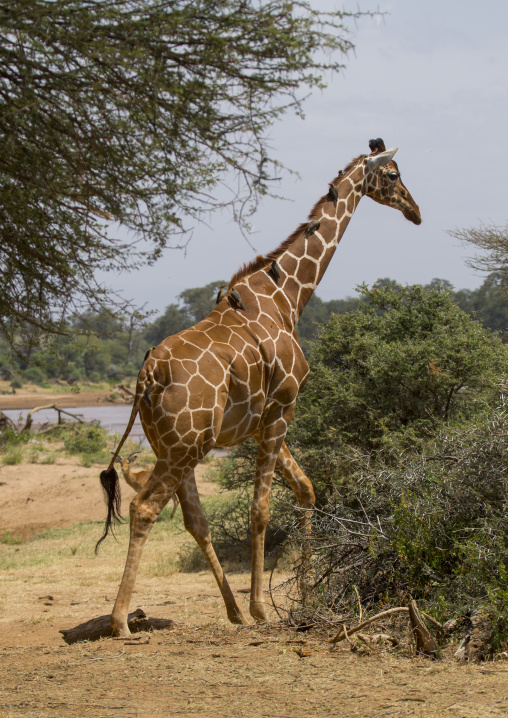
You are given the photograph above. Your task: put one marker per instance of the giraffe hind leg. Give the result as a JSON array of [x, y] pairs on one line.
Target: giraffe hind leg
[[144, 509], [270, 438]]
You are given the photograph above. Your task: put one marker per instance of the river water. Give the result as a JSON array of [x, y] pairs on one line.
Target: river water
[[111, 417]]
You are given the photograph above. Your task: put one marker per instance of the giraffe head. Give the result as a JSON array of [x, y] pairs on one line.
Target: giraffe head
[[384, 185]]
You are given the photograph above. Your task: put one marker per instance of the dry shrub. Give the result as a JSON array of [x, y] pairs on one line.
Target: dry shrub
[[427, 524]]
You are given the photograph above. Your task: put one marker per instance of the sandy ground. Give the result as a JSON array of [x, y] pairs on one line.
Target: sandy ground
[[202, 666], [35, 497]]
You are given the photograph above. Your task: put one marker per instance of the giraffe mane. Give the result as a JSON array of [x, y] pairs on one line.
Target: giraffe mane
[[262, 261]]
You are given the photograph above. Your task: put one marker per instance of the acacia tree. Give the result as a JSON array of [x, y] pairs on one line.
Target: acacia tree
[[492, 241], [132, 112]]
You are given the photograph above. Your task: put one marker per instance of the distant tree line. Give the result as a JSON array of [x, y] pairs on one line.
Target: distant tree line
[[102, 347]]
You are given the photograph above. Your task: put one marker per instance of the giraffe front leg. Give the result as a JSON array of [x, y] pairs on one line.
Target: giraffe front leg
[[304, 492], [197, 525], [300, 484], [144, 510], [270, 438]]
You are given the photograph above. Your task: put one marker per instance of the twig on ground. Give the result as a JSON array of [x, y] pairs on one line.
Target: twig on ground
[[342, 634], [108, 658]]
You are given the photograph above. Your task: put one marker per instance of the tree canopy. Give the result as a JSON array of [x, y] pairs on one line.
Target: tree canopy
[[133, 113]]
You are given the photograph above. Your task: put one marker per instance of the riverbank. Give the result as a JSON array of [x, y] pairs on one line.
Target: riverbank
[[33, 397]]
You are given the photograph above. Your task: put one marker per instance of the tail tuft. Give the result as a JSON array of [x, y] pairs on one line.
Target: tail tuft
[[112, 496]]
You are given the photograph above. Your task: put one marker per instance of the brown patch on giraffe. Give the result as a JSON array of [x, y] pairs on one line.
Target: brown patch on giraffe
[[292, 288], [315, 251], [185, 349], [237, 343], [195, 401], [328, 227], [190, 365], [309, 268], [175, 395], [290, 264], [351, 203], [261, 331], [197, 386]]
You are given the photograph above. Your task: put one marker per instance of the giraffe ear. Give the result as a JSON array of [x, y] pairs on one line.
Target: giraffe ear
[[381, 159]]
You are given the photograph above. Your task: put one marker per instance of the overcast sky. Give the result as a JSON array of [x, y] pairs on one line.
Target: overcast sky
[[429, 78]]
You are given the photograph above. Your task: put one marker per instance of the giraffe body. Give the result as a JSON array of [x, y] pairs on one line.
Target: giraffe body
[[237, 374]]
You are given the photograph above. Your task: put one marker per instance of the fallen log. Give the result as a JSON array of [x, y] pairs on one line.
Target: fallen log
[[101, 627], [29, 416]]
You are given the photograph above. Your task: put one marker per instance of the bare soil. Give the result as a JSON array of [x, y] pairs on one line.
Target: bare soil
[[202, 666]]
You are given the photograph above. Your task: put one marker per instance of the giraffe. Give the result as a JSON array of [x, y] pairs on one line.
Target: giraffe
[[236, 374]]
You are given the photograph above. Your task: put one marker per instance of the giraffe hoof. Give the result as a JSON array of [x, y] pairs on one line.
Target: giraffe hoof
[[257, 611], [120, 628], [238, 618]]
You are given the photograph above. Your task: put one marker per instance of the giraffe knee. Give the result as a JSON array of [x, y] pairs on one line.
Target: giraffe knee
[[142, 512], [308, 497]]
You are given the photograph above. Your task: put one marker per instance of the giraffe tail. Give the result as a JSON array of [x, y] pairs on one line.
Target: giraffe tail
[[109, 477]]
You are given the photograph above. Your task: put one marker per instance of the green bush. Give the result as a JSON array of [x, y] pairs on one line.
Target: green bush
[[13, 456], [35, 375], [10, 438], [115, 372], [74, 375], [89, 439], [407, 357]]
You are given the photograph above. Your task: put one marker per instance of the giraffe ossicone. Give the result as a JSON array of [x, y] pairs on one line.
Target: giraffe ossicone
[[237, 374]]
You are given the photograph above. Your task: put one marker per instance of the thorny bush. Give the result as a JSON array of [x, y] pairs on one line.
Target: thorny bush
[[429, 524]]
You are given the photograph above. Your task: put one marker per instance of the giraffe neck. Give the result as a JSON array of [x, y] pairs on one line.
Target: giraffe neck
[[304, 262]]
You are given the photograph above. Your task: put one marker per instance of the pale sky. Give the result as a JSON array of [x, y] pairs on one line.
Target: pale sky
[[429, 78]]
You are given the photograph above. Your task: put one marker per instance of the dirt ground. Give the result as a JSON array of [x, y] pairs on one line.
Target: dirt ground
[[201, 666]]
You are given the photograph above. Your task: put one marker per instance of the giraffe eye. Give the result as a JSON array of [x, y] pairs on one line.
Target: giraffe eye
[[393, 175]]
